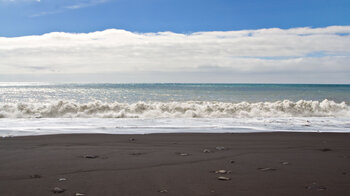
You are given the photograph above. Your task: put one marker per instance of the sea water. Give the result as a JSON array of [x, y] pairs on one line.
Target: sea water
[[43, 108]]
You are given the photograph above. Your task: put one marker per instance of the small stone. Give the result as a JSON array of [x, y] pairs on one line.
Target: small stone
[[132, 139], [58, 190], [314, 186], [266, 169], [220, 148], [223, 178], [221, 171], [90, 156], [136, 153], [325, 149], [182, 154], [62, 179], [163, 191], [206, 151], [35, 176], [285, 163], [322, 188], [79, 194], [232, 161]]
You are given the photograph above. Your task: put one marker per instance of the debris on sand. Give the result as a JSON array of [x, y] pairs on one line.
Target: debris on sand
[[90, 156], [223, 178], [79, 194], [266, 169], [285, 163], [62, 179], [58, 190]]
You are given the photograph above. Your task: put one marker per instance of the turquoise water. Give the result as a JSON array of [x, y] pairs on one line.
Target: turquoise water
[[37, 108], [130, 93]]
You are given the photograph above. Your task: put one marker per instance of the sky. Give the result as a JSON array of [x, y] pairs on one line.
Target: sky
[[239, 41]]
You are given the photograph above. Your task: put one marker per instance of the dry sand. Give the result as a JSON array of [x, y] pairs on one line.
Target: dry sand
[[259, 164]]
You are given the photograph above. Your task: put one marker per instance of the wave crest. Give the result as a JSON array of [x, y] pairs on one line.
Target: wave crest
[[188, 109]]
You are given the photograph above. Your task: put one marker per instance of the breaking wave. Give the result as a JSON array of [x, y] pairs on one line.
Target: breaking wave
[[188, 109]]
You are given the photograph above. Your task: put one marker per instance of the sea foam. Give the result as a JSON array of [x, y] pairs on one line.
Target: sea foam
[[186, 109]]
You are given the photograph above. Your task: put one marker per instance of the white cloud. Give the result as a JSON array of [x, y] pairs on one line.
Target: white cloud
[[263, 51], [83, 4]]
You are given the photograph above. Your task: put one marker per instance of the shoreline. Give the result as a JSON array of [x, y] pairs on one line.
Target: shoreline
[[278, 163]]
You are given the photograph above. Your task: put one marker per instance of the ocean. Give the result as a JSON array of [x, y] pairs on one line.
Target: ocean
[[44, 108]]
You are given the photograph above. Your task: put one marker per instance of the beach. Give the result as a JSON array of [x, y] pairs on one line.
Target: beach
[[176, 164], [174, 98]]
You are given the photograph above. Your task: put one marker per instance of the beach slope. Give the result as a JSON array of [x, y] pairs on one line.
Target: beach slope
[[176, 164]]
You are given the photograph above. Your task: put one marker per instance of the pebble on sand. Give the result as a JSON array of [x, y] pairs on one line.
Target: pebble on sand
[[206, 151], [285, 163], [62, 179], [220, 148], [322, 188], [182, 154], [35, 176], [57, 190], [222, 171], [163, 191], [223, 178], [137, 153], [266, 169], [315, 186], [326, 149], [79, 194], [90, 156]]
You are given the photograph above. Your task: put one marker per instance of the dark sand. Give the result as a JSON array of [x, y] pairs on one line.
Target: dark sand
[[318, 164]]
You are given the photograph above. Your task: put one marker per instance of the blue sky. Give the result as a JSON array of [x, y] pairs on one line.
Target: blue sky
[[28, 17], [268, 41]]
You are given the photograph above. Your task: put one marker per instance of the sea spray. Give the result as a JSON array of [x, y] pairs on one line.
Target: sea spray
[[184, 109]]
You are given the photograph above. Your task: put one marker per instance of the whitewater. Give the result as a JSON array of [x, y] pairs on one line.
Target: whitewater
[[38, 109]]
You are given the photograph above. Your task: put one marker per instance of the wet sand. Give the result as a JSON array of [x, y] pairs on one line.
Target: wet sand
[[176, 164]]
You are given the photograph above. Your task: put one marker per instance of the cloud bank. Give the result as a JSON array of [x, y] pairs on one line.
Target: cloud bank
[[316, 52]]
